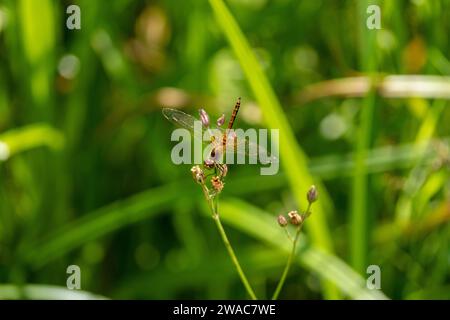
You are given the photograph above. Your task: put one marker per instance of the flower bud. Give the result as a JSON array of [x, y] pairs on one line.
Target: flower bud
[[200, 178], [197, 174], [312, 194], [221, 120], [282, 221], [295, 218], [217, 184], [204, 118], [224, 170]]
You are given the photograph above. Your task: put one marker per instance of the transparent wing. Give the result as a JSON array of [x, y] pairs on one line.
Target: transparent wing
[[245, 147], [179, 118], [183, 120]]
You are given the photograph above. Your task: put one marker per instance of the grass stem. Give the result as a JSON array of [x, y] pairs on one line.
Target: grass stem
[[288, 266], [213, 204], [291, 256]]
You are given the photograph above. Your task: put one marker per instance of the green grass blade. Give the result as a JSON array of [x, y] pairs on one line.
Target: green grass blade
[[414, 183], [38, 28], [29, 137], [382, 159], [104, 220], [359, 219]]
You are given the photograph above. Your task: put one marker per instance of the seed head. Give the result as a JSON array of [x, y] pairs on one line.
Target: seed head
[[217, 183], [312, 194], [224, 170], [295, 218], [204, 118], [198, 175], [221, 120], [282, 221], [200, 178]]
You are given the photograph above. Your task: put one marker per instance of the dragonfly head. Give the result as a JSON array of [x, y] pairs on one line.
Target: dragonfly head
[[209, 163]]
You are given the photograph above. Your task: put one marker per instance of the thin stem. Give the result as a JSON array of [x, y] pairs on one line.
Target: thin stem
[[291, 256], [288, 235], [308, 211], [234, 258], [213, 207], [288, 266]]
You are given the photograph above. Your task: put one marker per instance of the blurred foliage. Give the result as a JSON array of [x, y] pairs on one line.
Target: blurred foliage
[[86, 176]]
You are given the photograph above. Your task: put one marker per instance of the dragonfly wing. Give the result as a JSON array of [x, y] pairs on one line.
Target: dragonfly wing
[[251, 149], [179, 118], [182, 120]]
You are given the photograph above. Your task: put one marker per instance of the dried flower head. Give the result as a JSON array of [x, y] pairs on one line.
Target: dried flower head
[[197, 174], [282, 221], [221, 120], [295, 218], [312, 194], [204, 118], [217, 184], [224, 170]]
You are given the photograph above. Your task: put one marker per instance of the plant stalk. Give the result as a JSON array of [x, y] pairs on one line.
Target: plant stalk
[[215, 215], [288, 266], [291, 256]]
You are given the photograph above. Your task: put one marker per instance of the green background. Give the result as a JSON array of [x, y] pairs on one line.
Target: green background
[[85, 171]]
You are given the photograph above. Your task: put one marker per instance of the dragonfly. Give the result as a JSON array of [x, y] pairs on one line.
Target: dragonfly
[[222, 140]]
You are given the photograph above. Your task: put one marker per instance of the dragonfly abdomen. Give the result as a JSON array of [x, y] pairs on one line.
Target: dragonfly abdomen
[[231, 122]]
